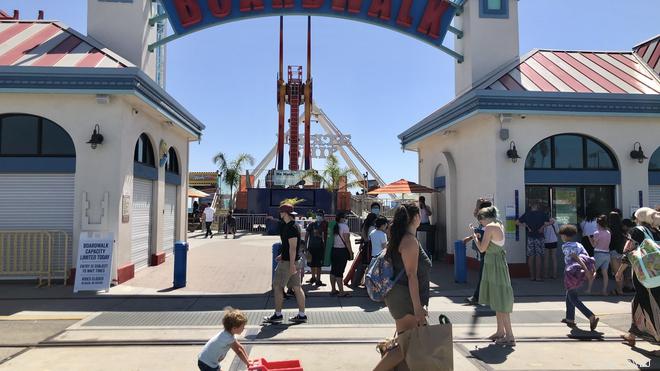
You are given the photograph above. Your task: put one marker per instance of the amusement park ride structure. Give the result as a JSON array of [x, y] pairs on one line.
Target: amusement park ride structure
[[295, 93]]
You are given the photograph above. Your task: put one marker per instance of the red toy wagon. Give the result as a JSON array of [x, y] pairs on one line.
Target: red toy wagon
[[263, 365]]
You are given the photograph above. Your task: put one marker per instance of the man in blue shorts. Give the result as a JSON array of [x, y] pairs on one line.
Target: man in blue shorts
[[535, 222]]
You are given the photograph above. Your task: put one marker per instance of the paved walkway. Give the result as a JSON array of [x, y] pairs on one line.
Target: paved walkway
[[142, 325]]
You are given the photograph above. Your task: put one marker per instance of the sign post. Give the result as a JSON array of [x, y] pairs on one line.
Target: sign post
[[94, 265]]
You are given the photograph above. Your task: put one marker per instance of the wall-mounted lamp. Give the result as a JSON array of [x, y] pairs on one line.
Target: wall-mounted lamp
[[96, 138], [512, 153], [637, 153]]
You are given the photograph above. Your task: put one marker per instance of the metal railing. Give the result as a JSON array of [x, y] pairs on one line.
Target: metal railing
[[34, 254], [354, 224], [244, 222]]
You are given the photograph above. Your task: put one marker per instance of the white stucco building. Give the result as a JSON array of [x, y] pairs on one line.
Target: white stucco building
[[574, 118], [56, 87]]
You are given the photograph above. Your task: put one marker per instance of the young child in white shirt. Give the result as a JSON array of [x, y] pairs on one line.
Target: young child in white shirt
[[216, 349]]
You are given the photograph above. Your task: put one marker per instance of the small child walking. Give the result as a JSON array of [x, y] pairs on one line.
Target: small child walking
[[216, 349], [579, 267], [601, 243]]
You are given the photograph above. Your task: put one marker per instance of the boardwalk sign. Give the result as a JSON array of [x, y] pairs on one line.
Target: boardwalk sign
[[94, 262], [426, 20]]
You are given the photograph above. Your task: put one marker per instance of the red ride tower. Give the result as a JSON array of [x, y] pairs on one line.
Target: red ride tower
[[294, 93]]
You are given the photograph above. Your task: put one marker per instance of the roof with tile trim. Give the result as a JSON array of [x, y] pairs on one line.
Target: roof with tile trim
[[39, 43], [577, 72], [649, 52]]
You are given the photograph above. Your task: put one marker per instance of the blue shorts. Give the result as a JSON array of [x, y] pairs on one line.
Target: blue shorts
[[204, 367], [535, 246], [602, 259]]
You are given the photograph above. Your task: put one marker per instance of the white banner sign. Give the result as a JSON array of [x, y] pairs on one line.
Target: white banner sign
[[287, 178], [94, 267]]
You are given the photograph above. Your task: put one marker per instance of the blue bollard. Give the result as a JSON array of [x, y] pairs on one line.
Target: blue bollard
[[276, 251], [180, 264], [460, 262]]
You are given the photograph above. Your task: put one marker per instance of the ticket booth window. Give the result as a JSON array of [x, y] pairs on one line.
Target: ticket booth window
[[570, 176]]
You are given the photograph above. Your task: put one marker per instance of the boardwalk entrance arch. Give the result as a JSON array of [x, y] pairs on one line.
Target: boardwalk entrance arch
[[425, 20]]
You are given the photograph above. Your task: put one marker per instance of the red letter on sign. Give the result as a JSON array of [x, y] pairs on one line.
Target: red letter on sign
[[430, 23], [188, 11], [312, 4], [340, 5], [380, 9], [404, 19], [250, 5], [220, 8], [277, 4]]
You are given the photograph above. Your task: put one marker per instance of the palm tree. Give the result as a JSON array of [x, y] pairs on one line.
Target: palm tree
[[331, 177], [231, 171]]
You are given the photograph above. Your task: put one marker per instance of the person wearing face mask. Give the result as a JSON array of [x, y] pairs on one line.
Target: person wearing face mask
[[358, 268], [368, 225], [317, 234], [286, 272], [375, 208], [341, 254]]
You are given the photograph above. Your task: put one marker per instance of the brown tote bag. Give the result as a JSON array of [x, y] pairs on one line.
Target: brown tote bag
[[428, 347]]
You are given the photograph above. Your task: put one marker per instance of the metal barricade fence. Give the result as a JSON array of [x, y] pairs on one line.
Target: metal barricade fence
[[354, 224], [41, 254], [244, 222]]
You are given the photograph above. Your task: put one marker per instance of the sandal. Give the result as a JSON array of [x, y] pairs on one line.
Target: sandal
[[568, 323], [506, 342], [495, 338], [593, 323], [628, 339]]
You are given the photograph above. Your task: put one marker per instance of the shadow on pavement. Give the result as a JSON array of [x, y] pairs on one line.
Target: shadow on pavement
[[584, 335], [493, 354], [479, 312], [652, 364], [270, 331]]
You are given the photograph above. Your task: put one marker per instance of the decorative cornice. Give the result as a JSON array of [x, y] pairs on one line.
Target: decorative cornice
[[129, 80], [541, 103]]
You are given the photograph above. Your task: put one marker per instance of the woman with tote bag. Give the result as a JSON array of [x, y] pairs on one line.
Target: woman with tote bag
[[646, 303], [422, 347]]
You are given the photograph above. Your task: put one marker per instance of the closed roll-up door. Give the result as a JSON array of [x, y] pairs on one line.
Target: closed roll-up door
[[40, 202], [654, 196], [169, 218], [141, 222]]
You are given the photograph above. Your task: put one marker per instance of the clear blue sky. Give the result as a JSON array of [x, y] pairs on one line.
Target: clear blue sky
[[372, 82]]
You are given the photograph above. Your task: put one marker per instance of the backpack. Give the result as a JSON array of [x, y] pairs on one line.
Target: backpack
[[574, 275], [378, 279], [645, 260]]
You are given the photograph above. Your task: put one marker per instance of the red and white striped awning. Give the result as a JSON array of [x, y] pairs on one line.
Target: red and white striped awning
[[51, 44], [582, 72], [649, 52]]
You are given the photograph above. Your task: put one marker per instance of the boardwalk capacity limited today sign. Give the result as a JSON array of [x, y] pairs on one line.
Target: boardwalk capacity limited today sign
[[427, 20], [94, 262]]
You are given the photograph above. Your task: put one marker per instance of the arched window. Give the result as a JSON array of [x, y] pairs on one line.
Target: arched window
[[570, 151], [144, 151], [654, 162], [33, 136], [172, 165]]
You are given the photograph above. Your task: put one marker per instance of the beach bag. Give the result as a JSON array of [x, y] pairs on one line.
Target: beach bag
[[574, 275], [645, 260], [379, 279], [428, 347]]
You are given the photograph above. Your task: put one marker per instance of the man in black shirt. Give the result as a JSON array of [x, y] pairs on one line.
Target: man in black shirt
[[317, 234], [286, 273]]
